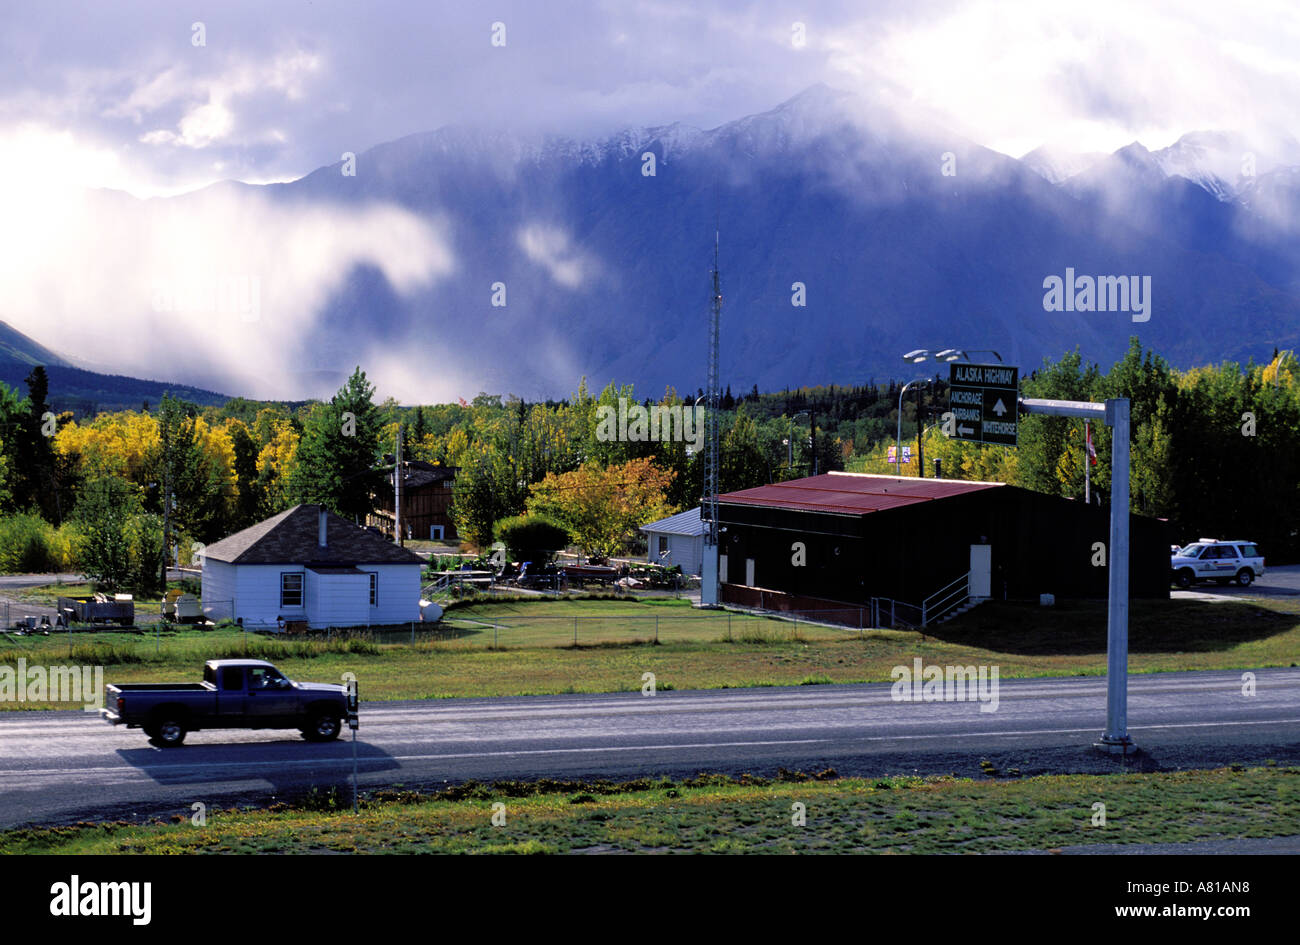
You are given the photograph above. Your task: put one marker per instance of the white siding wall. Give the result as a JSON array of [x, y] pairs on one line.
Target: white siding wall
[[337, 600], [399, 593], [217, 589], [255, 590], [257, 594], [686, 550]]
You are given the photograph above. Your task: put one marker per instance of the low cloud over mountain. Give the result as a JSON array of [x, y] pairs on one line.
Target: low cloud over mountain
[[903, 235]]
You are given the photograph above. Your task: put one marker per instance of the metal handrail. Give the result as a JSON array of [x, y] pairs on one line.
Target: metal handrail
[[947, 598], [439, 588]]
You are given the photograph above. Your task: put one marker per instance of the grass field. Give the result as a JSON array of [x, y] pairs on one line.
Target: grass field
[[716, 814], [49, 594], [535, 655]]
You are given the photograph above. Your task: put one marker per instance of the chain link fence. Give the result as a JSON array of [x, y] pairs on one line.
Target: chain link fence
[[476, 628]]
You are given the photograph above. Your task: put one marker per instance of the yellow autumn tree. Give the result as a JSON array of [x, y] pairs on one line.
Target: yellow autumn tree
[[113, 444], [276, 461], [602, 508]]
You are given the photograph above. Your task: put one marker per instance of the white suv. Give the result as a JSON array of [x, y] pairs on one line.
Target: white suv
[[1217, 560]]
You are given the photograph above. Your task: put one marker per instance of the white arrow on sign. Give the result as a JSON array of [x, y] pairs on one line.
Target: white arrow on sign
[[999, 408], [963, 430]]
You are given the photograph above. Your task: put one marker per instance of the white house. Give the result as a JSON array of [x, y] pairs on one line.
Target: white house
[[309, 564], [678, 539]]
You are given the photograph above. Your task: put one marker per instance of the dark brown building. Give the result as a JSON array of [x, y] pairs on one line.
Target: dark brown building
[[848, 538], [426, 502]]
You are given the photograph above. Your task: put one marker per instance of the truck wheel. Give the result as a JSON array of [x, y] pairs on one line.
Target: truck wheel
[[168, 732], [1244, 577], [322, 727], [1184, 577]]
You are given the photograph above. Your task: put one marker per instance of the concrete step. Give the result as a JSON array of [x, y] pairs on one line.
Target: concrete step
[[970, 604]]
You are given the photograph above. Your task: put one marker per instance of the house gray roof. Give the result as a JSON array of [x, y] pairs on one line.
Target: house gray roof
[[683, 523], [290, 538]]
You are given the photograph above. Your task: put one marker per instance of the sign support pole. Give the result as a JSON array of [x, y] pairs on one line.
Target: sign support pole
[[1115, 740]]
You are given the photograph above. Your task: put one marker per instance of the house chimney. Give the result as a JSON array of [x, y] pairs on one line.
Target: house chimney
[[320, 538]]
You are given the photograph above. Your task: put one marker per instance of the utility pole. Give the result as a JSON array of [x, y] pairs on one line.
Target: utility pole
[[898, 439], [397, 488], [812, 437], [168, 449]]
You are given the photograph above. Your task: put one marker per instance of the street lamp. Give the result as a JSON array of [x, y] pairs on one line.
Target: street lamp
[[963, 354], [924, 354], [898, 442], [947, 354]]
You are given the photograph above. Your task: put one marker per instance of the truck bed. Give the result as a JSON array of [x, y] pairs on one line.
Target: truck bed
[[163, 687]]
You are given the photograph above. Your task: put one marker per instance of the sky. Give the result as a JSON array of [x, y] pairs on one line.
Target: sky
[[156, 98], [121, 95]]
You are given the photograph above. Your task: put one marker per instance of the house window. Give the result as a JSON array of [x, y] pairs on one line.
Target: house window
[[374, 589], [663, 545], [290, 590]]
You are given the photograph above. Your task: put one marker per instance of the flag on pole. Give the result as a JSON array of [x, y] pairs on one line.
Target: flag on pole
[[893, 458], [1092, 450]]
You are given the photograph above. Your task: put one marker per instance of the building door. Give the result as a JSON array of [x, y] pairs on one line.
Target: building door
[[435, 532], [981, 570], [749, 573]]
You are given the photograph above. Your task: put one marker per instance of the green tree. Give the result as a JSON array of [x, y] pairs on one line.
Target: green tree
[[35, 482], [338, 452], [103, 517], [482, 495], [532, 538], [198, 490], [742, 459], [250, 500]]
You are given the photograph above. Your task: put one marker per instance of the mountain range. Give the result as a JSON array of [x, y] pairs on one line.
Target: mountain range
[[902, 235], [82, 391]]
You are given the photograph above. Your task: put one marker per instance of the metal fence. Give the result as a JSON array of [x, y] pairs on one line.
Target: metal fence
[[697, 627], [479, 627]]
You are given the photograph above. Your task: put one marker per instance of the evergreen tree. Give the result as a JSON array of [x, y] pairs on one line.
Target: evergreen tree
[[34, 475], [338, 452], [418, 429], [250, 498]]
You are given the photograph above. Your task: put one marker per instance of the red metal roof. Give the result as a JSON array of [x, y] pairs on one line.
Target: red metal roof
[[851, 493]]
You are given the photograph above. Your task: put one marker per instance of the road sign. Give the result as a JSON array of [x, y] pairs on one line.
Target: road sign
[[983, 401], [353, 699]]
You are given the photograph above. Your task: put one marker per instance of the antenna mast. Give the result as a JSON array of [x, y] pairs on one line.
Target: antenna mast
[[713, 400]]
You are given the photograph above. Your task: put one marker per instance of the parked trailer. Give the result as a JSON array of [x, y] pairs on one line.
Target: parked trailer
[[99, 609], [179, 607], [582, 574]]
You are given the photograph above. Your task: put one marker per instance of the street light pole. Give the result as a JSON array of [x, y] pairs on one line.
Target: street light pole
[[898, 440]]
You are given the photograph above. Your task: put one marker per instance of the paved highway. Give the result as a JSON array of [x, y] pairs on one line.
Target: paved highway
[[57, 767]]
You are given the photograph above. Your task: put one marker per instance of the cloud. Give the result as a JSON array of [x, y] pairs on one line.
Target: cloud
[[219, 288], [279, 90], [550, 247]]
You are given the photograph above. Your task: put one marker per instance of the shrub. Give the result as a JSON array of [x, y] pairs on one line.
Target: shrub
[[28, 543], [532, 538]]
